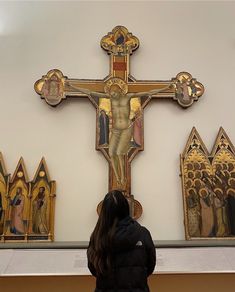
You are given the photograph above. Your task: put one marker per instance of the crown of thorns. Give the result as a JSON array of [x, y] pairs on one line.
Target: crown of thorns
[[116, 81]]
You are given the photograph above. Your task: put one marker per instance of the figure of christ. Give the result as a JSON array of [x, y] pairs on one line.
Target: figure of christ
[[122, 125]]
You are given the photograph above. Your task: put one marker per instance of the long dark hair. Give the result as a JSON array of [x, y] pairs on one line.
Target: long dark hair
[[115, 207]]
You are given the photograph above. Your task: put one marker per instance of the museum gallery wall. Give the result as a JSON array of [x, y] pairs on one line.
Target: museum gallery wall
[[67, 135]]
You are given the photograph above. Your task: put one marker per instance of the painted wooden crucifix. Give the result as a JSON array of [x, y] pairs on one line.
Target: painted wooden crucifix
[[119, 100]]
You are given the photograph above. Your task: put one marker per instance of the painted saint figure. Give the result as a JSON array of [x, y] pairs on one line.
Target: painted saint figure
[[52, 89], [104, 128], [137, 129], [17, 208], [184, 91], [207, 213], [221, 213], [39, 212], [193, 212], [231, 204], [122, 126]]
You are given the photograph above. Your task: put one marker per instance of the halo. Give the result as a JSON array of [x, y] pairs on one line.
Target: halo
[[218, 189], [116, 81], [202, 190]]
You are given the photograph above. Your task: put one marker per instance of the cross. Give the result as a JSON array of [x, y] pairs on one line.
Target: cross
[[119, 100]]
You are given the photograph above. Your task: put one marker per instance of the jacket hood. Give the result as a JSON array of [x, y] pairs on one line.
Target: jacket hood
[[127, 234]]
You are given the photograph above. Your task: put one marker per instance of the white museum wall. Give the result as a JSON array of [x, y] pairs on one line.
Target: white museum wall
[[198, 37]]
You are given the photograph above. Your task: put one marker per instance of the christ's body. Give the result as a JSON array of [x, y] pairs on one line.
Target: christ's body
[[121, 132]]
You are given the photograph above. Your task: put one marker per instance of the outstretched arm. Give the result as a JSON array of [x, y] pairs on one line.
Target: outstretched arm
[[88, 91], [150, 92]]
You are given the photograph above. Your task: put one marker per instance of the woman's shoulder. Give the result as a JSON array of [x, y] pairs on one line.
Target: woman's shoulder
[[129, 224], [129, 232], [145, 234]]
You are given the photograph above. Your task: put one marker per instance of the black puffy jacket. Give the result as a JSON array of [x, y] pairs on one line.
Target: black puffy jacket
[[133, 260]]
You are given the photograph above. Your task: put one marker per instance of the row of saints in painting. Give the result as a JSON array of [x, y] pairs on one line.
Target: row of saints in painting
[[26, 207], [208, 181]]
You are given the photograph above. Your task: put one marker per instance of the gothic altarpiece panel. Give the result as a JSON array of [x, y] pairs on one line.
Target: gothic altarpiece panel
[[26, 208], [208, 183]]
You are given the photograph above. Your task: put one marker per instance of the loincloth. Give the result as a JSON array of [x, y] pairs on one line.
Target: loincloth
[[120, 141]]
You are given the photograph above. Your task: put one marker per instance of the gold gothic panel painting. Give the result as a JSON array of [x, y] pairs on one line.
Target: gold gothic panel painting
[[119, 100], [26, 208], [208, 183]]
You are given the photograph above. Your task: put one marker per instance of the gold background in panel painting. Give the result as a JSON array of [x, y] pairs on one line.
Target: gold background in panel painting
[[196, 155], [135, 106], [104, 104], [223, 156]]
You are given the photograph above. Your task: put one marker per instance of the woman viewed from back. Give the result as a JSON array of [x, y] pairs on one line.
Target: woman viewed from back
[[121, 254]]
